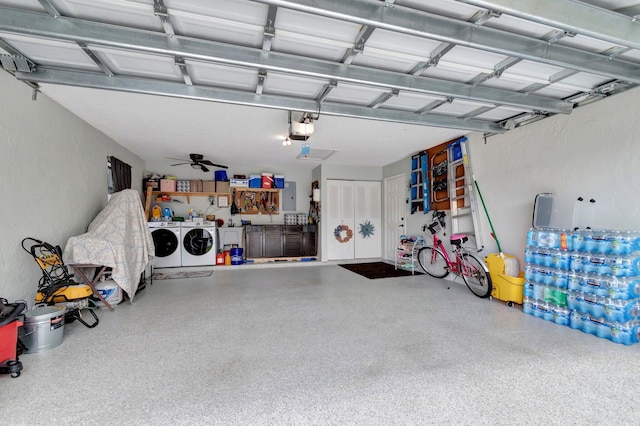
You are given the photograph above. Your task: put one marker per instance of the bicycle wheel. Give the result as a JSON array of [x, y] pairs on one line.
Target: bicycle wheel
[[433, 262], [475, 276]]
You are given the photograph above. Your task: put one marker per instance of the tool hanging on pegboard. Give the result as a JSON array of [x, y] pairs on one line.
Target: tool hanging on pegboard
[[440, 185], [439, 170]]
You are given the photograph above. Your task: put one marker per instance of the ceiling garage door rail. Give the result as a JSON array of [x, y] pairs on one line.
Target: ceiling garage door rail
[[76, 30], [422, 24], [179, 90], [369, 14]]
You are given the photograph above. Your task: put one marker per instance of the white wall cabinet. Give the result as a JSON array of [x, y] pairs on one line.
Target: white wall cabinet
[[353, 215]]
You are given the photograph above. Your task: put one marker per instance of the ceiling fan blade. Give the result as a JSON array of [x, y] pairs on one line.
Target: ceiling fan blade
[[179, 164], [203, 168], [218, 165], [209, 163], [173, 158]]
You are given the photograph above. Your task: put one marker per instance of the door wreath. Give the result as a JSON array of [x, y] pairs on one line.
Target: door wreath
[[338, 233]]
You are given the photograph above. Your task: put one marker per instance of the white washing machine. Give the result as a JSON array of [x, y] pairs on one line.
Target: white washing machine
[[166, 240], [198, 240]]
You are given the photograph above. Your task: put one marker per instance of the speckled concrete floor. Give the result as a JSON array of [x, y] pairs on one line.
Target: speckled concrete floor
[[321, 345]]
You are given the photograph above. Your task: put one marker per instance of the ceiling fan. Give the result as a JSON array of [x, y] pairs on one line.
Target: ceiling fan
[[198, 162]]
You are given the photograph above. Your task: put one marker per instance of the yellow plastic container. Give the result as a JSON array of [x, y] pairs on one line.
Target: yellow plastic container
[[65, 294], [506, 288]]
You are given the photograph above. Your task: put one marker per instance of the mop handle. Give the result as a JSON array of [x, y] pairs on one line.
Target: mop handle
[[487, 213]]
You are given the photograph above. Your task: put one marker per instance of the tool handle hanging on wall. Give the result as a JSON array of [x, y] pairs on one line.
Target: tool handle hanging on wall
[[493, 232]]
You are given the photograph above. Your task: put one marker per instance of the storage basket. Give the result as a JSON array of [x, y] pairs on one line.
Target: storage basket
[[183, 186], [290, 218]]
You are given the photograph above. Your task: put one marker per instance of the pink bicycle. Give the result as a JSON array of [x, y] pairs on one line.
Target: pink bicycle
[[436, 261]]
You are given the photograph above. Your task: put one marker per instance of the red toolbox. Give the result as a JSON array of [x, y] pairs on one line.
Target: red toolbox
[[9, 323]]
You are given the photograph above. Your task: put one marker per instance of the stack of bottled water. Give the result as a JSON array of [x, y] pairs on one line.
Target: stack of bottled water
[[586, 279]]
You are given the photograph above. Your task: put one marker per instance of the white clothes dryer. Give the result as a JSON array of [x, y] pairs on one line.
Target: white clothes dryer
[[166, 240], [198, 243]]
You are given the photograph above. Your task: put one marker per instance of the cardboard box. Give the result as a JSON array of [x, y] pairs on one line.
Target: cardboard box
[[167, 185], [222, 186], [196, 185], [153, 183], [208, 186]]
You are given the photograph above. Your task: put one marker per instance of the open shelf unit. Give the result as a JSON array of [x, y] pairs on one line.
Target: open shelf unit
[[407, 252], [190, 194], [150, 194]]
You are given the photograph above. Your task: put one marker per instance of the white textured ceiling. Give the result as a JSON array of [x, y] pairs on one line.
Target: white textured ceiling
[[381, 79]]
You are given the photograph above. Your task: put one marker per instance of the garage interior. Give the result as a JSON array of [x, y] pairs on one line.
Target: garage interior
[[544, 92]]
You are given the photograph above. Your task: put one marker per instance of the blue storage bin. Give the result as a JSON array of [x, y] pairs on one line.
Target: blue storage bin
[[255, 181], [220, 175], [278, 181]]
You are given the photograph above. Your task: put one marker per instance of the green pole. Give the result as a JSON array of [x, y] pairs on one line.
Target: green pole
[[487, 213]]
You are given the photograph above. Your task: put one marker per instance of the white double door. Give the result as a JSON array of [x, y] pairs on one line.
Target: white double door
[[353, 220]]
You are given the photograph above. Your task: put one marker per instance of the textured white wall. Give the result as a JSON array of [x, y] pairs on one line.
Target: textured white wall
[[593, 153], [54, 180]]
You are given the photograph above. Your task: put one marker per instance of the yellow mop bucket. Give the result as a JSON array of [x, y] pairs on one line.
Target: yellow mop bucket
[[507, 280]]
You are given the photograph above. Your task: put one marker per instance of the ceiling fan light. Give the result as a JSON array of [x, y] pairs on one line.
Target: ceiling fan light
[[195, 166]]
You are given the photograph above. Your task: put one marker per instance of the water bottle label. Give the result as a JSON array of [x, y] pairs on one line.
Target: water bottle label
[[564, 241], [549, 239]]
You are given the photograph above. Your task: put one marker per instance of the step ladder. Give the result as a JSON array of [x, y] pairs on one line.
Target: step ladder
[[462, 193]]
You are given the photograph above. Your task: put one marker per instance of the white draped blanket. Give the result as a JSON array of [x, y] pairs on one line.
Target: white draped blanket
[[119, 238]]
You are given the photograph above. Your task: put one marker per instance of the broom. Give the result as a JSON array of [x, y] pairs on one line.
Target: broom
[[511, 267]]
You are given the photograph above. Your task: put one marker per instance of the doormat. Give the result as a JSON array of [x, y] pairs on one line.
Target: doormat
[[378, 270], [180, 274]]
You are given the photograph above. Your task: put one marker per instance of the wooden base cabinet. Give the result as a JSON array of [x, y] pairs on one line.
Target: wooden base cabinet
[[299, 240], [254, 241], [273, 241], [265, 241], [292, 244], [310, 240]]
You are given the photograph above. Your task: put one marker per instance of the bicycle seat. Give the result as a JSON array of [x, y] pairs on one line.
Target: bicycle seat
[[458, 239]]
